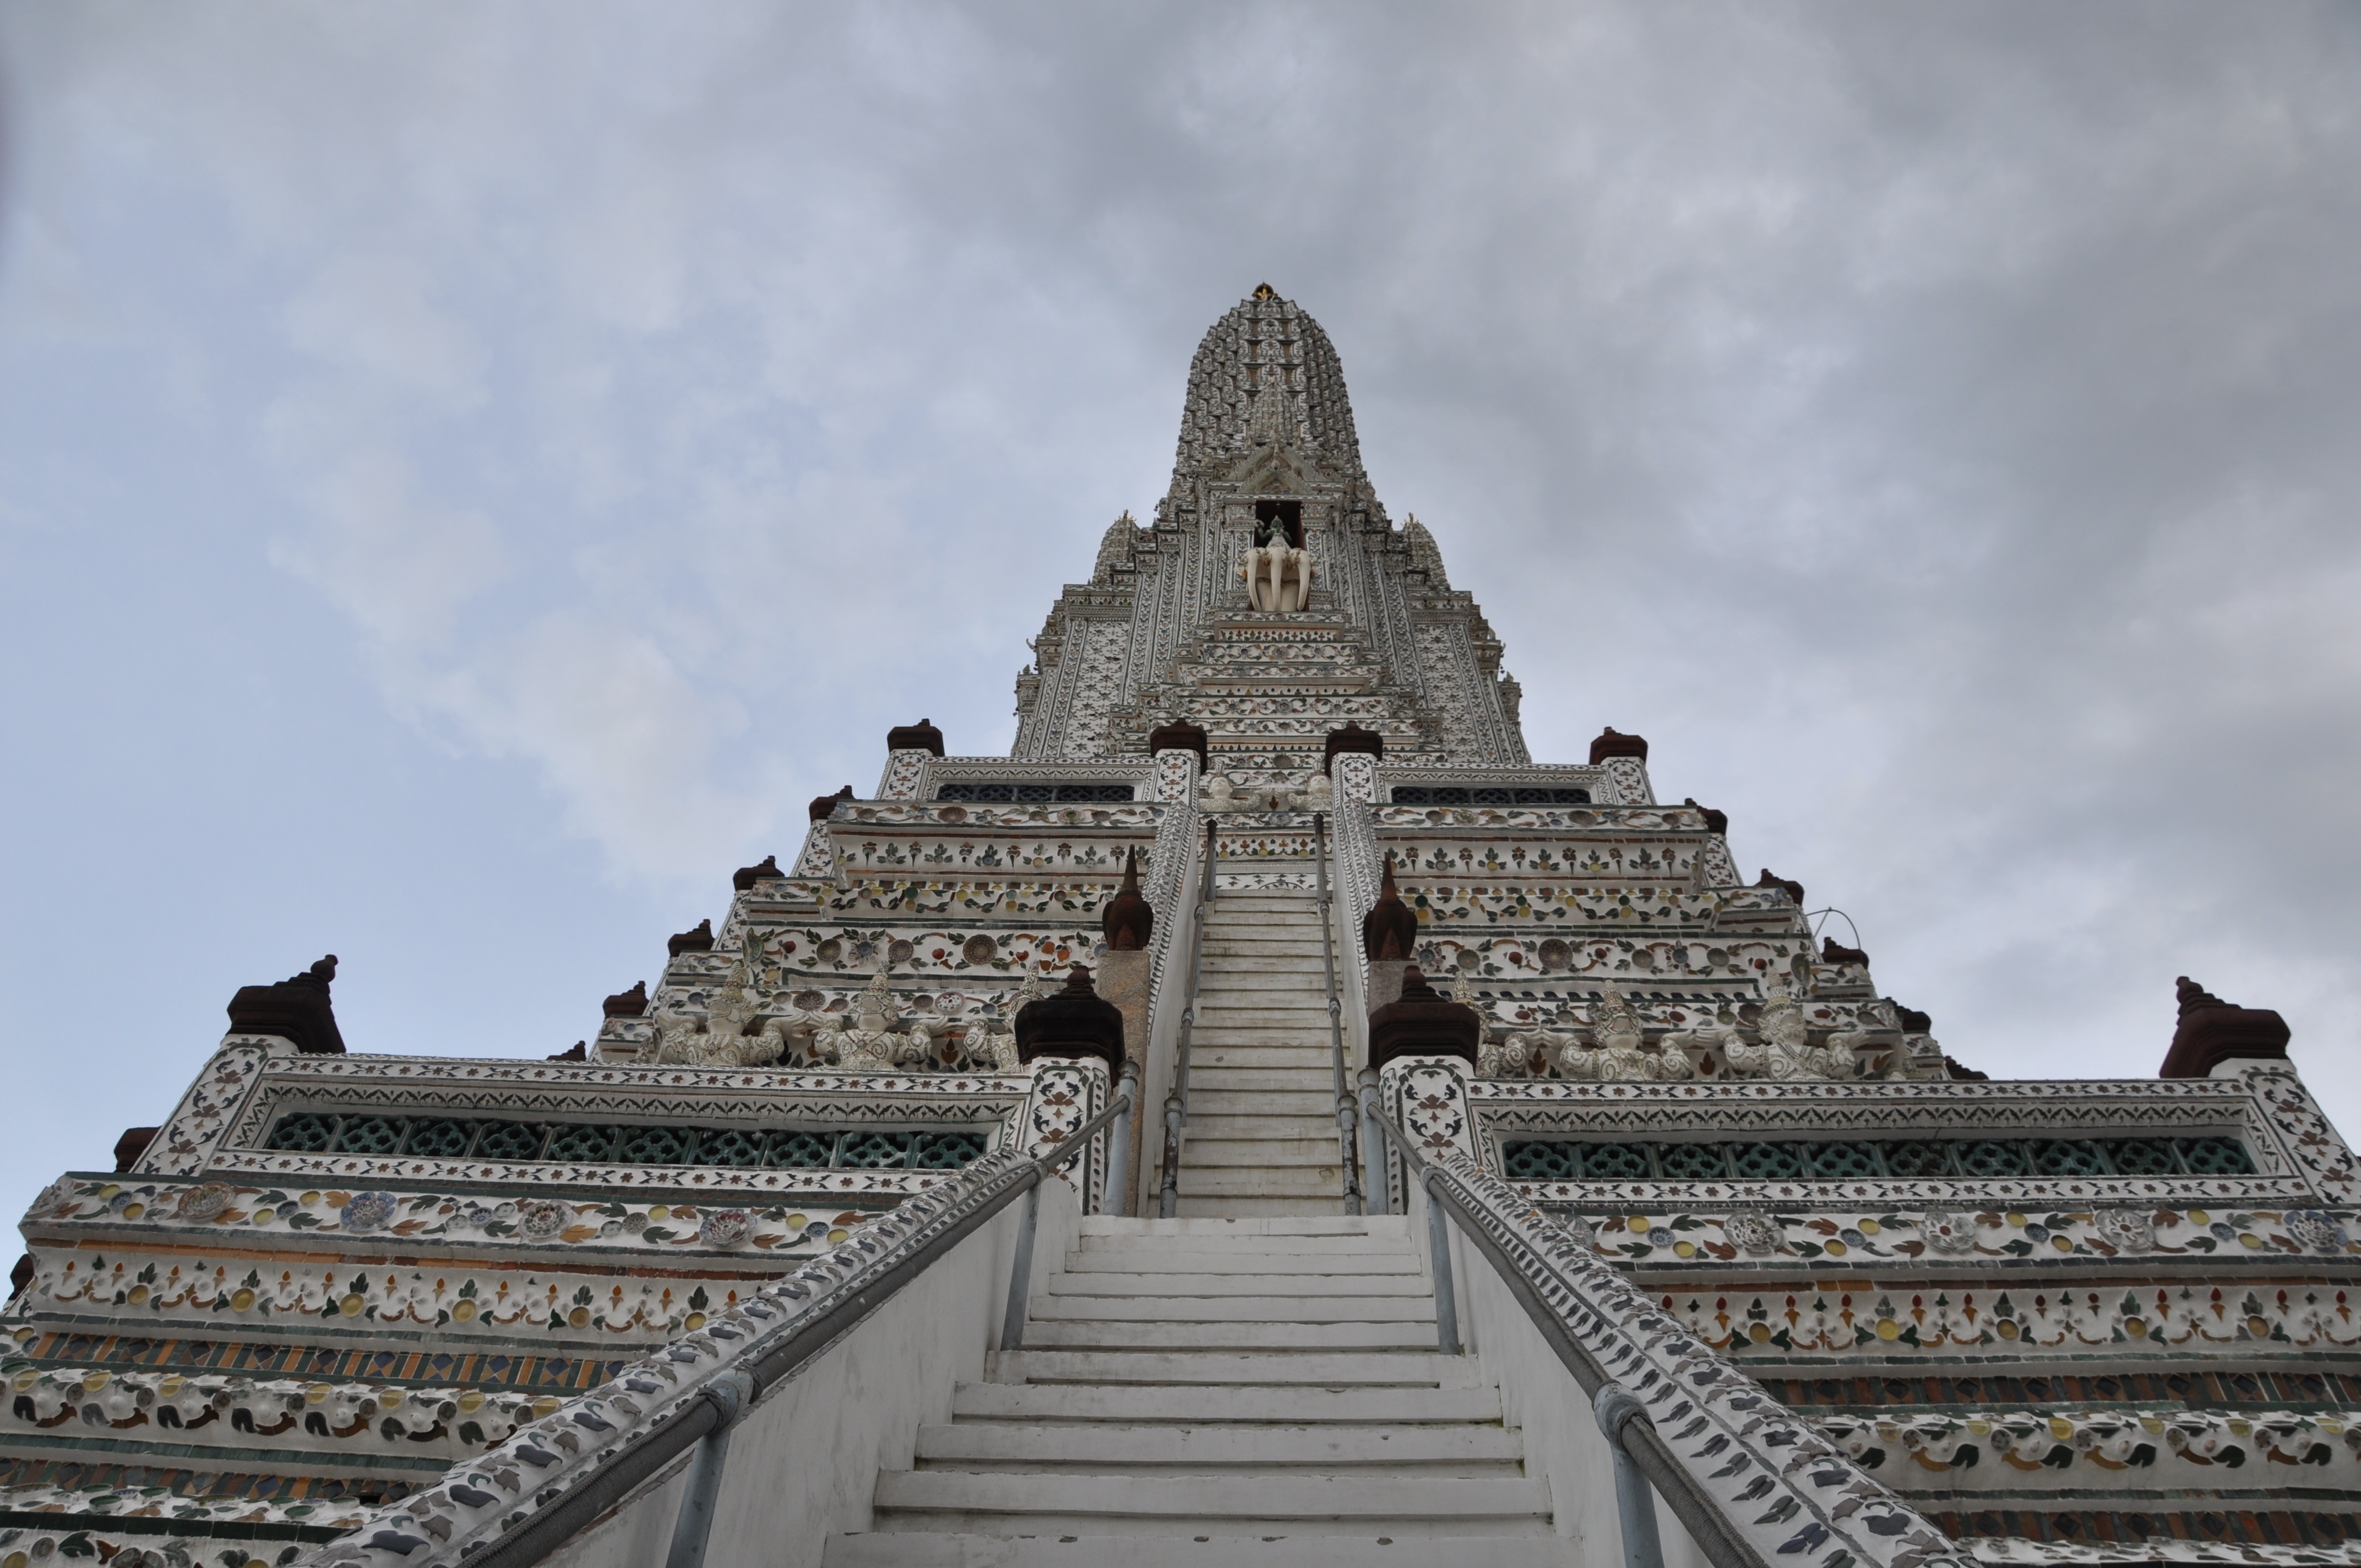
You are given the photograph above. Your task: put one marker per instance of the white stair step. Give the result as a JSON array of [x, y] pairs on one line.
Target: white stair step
[[1059, 1333], [1200, 1152], [1253, 1129], [995, 1444], [1223, 1078], [1148, 1402], [1281, 1102], [1403, 1369], [1241, 1204], [1211, 1505], [1405, 1281], [1261, 1179], [1264, 1254], [1205, 1056], [1394, 1226], [1233, 1310], [1367, 1548]]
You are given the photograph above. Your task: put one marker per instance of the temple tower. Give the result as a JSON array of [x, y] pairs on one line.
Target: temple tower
[[1172, 626]]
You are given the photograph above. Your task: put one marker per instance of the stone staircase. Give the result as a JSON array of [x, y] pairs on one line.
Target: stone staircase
[[1218, 1393], [1261, 1138]]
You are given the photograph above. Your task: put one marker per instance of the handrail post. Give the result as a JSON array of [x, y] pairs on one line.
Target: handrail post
[[1020, 1275], [1168, 1202], [1616, 1406], [1438, 1246], [1375, 1188], [1176, 1104], [693, 1525], [1346, 1109], [1120, 1163]]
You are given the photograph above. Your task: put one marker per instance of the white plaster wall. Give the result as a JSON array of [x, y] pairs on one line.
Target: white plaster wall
[[1540, 1396], [803, 1463]]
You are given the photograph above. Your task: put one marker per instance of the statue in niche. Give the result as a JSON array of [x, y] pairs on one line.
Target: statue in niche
[[1783, 1049], [720, 1037], [1278, 573], [872, 1044]]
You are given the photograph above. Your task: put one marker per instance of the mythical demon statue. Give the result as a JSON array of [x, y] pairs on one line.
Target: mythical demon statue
[[719, 1037]]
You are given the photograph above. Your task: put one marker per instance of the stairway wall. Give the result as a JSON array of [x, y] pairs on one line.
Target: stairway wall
[[804, 1463], [1540, 1396]]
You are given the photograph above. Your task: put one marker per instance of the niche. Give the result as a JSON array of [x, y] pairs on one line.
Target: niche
[[1271, 518]]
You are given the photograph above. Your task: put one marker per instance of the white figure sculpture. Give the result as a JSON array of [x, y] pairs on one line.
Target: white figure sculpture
[[1221, 795], [1698, 1044], [1278, 575], [1784, 1048], [1849, 1057], [718, 1038], [1623, 1053], [1272, 797], [1320, 794], [1526, 1054], [872, 1044], [1000, 1042]]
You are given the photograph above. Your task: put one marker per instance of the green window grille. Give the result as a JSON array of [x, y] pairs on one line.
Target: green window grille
[[2069, 1157], [808, 1151], [2213, 1156], [1615, 1162], [1844, 1162], [2142, 1156], [729, 1146], [446, 1137], [594, 1145], [1542, 1161], [658, 1146], [303, 1133], [1768, 1162], [874, 1151], [1991, 1157], [945, 1151], [439, 1139], [1912, 1159], [1549, 1159], [1693, 1162], [370, 1134], [510, 1140]]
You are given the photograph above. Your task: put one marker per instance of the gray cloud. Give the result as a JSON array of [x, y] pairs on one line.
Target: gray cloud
[[1930, 426]]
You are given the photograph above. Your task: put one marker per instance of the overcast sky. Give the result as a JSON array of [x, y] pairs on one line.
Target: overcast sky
[[467, 477]]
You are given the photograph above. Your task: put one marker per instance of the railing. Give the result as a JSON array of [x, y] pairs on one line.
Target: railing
[[1758, 1488], [1176, 1104], [523, 1500], [1347, 1110]]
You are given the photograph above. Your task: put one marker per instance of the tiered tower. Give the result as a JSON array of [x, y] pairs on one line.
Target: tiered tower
[[1432, 1110], [1165, 630]]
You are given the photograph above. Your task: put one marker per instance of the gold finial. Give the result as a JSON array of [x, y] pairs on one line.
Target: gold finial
[[1264, 291]]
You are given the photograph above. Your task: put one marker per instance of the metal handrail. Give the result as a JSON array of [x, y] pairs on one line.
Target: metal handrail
[[709, 1418], [1630, 1433], [1347, 1108], [1176, 1104]]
